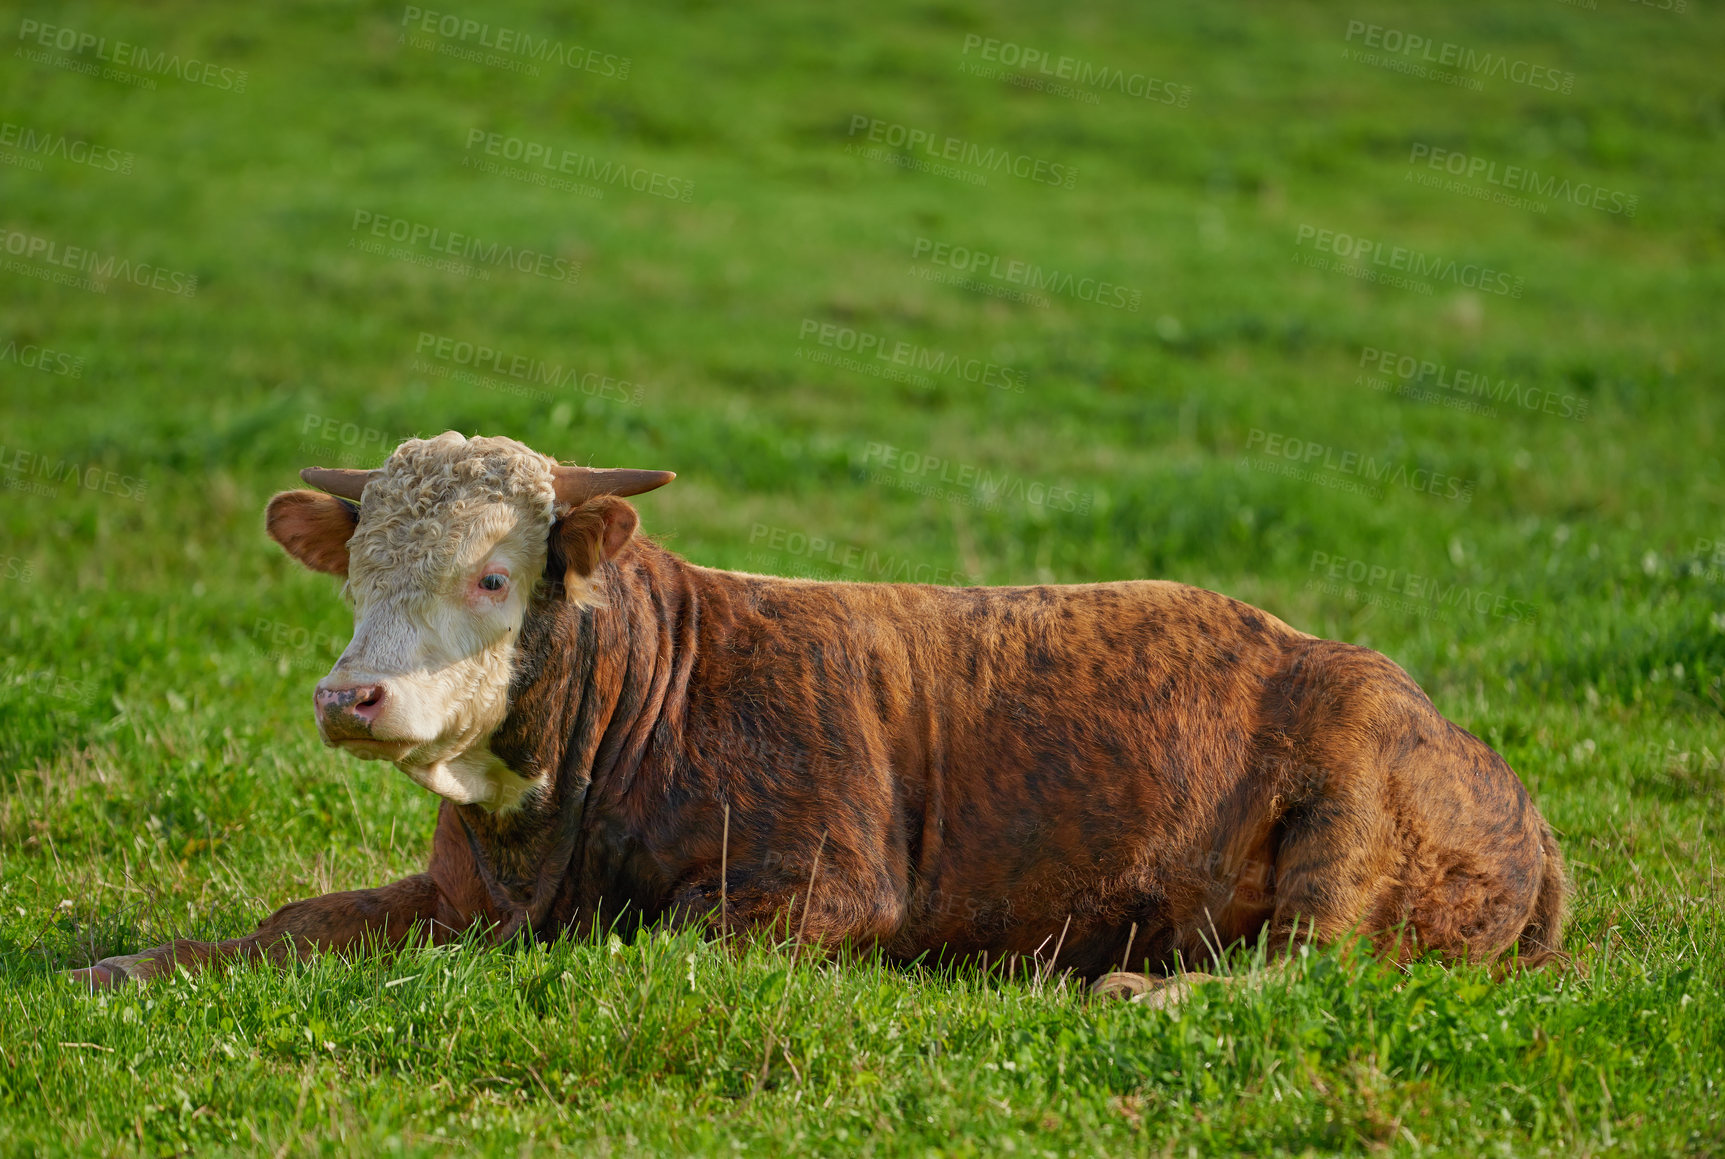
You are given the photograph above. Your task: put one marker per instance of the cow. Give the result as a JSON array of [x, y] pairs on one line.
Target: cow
[[1112, 779]]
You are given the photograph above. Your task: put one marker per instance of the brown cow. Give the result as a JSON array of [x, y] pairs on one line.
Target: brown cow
[[1099, 773]]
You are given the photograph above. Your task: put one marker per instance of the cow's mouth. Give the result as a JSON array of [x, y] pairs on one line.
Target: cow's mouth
[[373, 749]]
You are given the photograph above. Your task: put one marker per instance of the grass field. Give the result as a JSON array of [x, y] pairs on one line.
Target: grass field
[[1243, 319]]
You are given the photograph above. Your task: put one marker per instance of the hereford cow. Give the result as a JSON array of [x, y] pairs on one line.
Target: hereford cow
[[1103, 775]]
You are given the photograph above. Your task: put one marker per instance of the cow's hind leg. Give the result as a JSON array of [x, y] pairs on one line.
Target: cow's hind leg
[[1411, 833], [1437, 849], [1334, 864]]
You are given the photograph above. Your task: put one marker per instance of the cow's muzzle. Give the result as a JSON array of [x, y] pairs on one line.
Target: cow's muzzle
[[347, 714]]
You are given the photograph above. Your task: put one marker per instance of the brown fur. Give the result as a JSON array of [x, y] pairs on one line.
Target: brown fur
[[984, 771]]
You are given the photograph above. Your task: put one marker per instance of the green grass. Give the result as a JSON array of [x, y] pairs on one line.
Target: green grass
[[161, 775]]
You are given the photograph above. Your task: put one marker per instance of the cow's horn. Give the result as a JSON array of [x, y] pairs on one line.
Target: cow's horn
[[343, 481], [576, 485]]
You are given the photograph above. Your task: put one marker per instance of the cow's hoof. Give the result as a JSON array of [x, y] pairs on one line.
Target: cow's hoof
[[111, 973], [1128, 987], [1171, 993], [1156, 993]]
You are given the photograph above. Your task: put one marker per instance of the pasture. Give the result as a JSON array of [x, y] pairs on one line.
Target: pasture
[[1401, 324]]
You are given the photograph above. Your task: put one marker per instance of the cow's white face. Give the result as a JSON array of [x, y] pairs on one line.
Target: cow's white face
[[442, 559], [440, 648], [450, 543]]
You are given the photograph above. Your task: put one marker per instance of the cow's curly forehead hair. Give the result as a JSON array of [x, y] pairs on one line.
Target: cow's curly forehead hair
[[435, 496]]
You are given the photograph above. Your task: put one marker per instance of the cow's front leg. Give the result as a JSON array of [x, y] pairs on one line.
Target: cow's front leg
[[390, 915], [835, 912]]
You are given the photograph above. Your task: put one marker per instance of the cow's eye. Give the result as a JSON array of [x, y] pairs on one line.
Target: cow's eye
[[494, 581]]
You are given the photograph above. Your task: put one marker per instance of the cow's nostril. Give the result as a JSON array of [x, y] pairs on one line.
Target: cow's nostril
[[368, 702]]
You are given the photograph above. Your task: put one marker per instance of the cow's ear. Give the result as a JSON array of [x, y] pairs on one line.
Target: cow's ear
[[313, 527], [598, 530]]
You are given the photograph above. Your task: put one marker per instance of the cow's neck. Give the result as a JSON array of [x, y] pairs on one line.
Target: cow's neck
[[590, 686]]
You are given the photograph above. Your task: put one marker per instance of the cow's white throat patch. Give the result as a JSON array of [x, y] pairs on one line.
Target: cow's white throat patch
[[475, 777]]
